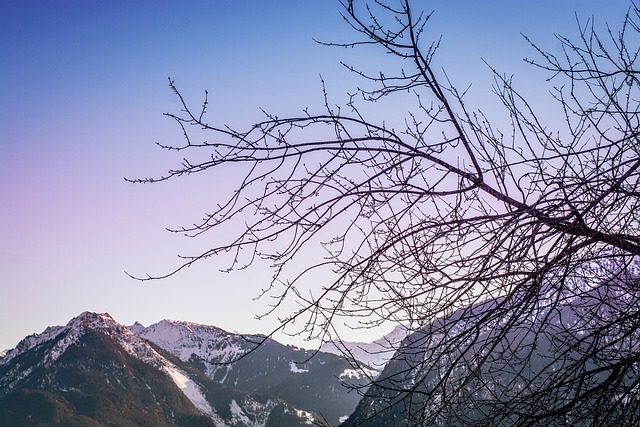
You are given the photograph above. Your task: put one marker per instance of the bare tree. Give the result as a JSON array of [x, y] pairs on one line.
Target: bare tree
[[512, 251]]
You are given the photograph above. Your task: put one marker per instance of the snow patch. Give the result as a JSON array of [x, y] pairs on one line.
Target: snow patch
[[358, 373], [190, 389], [293, 367], [237, 414], [306, 415]]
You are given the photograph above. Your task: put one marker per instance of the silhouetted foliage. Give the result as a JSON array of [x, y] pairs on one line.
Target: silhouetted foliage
[[511, 251]]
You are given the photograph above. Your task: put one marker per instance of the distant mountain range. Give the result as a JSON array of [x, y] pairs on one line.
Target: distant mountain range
[[375, 355], [95, 372]]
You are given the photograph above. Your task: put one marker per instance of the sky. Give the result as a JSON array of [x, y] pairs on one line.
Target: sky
[[83, 89]]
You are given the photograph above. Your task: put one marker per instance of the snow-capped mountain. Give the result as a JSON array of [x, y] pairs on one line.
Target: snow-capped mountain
[[129, 342], [188, 340], [310, 381], [375, 354], [94, 371]]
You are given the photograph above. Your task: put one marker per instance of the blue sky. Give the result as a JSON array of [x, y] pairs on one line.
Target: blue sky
[[83, 85]]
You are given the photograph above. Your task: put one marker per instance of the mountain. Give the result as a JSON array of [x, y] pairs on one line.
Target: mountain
[[310, 381], [96, 372], [470, 383], [375, 354]]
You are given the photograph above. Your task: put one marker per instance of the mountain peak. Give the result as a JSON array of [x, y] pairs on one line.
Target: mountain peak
[[72, 332], [101, 322], [186, 338], [93, 320]]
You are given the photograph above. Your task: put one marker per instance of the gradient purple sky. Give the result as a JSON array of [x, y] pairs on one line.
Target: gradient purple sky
[[83, 85]]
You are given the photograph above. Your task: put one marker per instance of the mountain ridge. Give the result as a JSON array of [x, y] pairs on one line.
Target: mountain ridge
[[131, 343], [84, 377], [375, 354], [312, 381], [73, 368], [446, 358]]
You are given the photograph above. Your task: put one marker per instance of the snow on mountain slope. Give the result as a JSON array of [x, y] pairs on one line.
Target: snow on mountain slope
[[130, 342], [190, 389], [310, 382], [375, 354], [93, 354], [185, 339], [32, 341]]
